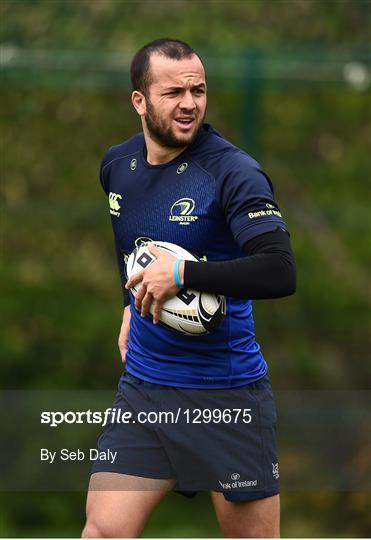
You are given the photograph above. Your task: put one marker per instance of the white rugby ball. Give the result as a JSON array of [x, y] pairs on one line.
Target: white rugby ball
[[189, 312]]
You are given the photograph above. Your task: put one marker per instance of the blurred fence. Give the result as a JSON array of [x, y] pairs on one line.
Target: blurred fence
[[251, 72]]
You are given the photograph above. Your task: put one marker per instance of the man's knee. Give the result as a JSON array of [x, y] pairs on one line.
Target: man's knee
[[94, 529], [91, 531], [254, 519], [250, 530]]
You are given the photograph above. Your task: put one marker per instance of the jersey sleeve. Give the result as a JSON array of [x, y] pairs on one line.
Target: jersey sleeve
[[245, 194], [102, 179], [104, 172], [123, 276], [104, 169]]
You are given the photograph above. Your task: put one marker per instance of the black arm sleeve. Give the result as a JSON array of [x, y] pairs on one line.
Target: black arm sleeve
[[267, 272], [120, 260]]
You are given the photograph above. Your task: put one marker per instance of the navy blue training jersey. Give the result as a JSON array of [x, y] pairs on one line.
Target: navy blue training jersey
[[210, 200]]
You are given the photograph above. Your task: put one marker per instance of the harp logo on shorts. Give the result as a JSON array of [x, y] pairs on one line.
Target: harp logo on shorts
[[181, 211], [114, 205]]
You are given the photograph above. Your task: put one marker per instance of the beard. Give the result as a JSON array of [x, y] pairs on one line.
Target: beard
[[165, 136]]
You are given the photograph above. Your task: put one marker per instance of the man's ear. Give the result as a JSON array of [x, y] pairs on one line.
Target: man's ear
[[139, 102]]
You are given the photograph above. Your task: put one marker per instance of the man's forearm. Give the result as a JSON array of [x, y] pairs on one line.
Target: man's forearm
[[267, 272]]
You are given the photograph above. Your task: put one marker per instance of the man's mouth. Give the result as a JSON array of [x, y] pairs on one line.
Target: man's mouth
[[184, 122]]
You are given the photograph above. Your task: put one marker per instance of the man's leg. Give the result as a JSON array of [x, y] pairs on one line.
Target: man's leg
[[248, 519], [119, 505]]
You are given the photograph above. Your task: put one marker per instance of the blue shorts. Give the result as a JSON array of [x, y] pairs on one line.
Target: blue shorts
[[205, 440]]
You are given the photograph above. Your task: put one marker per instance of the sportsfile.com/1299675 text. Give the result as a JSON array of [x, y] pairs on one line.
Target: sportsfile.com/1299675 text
[[118, 416]]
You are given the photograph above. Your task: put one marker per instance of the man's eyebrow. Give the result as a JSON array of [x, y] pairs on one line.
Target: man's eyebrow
[[193, 87]]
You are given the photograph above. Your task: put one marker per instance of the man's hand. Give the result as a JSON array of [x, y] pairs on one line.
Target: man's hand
[[124, 333], [158, 283]]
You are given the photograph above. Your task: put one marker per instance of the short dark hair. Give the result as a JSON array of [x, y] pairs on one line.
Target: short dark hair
[[170, 48]]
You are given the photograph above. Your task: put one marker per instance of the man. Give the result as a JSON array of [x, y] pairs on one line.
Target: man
[[237, 227]]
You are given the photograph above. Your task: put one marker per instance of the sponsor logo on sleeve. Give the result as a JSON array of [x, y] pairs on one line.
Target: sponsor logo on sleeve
[[271, 211]]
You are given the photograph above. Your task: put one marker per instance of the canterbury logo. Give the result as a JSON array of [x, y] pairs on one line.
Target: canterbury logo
[[114, 205], [181, 211]]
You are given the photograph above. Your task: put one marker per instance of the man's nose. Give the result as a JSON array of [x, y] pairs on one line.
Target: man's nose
[[187, 101]]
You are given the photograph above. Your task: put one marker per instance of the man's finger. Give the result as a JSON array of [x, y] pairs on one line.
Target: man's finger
[[135, 278], [154, 250], [157, 311], [146, 304], [139, 297], [123, 351]]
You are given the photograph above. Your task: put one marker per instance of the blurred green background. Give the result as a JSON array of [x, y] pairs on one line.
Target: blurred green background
[[289, 81]]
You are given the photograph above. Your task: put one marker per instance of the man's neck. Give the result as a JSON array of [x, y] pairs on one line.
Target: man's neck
[[157, 154]]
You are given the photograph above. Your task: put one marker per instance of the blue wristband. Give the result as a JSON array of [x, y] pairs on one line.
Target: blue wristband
[[176, 274]]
